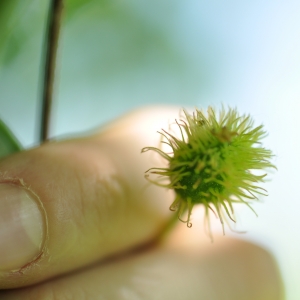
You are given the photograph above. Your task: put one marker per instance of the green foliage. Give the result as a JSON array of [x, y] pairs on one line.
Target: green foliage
[[214, 163], [8, 142], [18, 21]]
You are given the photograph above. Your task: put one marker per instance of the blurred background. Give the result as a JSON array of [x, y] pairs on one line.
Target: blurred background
[[117, 55]]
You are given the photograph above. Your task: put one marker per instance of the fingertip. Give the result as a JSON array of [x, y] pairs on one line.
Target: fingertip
[[93, 194]]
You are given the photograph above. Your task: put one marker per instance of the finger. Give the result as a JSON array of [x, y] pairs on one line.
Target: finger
[[68, 204], [227, 270]]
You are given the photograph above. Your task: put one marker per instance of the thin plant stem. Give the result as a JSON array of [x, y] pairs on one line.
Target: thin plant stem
[[164, 233], [50, 50]]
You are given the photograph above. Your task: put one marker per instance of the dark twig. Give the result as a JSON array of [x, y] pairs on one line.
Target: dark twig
[[50, 48]]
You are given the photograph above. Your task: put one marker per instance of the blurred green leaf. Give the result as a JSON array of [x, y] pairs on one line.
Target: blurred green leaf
[[18, 23], [8, 142]]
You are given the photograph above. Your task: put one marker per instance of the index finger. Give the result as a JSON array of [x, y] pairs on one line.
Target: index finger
[[68, 204]]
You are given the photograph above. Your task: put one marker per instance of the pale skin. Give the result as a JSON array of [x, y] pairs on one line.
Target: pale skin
[[104, 220]]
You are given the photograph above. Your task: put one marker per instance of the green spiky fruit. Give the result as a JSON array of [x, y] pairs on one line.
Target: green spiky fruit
[[213, 163]]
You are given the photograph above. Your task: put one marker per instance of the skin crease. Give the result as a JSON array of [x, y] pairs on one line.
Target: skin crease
[[102, 216]]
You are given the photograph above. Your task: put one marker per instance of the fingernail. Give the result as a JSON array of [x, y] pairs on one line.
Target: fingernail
[[21, 227]]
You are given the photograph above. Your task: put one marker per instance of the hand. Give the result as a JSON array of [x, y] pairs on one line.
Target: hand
[[78, 221]]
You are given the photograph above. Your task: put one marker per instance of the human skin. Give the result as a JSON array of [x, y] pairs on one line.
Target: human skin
[[101, 221]]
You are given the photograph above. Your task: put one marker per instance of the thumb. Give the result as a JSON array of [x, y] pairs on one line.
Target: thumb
[[67, 204]]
